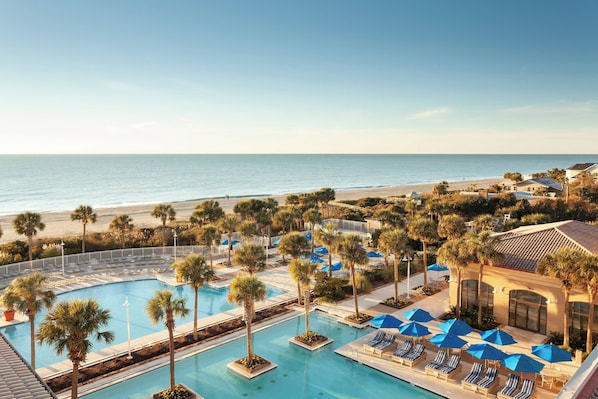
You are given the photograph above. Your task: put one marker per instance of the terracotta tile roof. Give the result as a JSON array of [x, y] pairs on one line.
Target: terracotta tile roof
[[525, 246], [17, 379]]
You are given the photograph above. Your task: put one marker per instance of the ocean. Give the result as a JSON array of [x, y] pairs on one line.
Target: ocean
[[46, 183]]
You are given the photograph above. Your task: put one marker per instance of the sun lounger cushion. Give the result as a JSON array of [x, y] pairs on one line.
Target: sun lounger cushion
[[438, 361], [388, 340], [451, 365], [417, 351], [377, 338], [489, 378], [474, 374], [404, 349], [511, 386], [527, 389]]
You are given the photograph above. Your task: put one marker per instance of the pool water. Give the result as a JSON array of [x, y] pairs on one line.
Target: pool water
[[300, 373], [112, 296]]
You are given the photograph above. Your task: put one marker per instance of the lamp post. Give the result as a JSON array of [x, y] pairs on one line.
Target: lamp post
[[408, 259], [174, 250], [62, 253], [266, 248], [126, 305]]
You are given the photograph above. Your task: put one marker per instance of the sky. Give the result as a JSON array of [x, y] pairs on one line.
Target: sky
[[271, 76]]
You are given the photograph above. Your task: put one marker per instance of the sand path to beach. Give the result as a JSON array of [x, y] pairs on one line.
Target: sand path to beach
[[59, 224]]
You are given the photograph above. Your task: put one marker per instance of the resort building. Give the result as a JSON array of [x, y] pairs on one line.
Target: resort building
[[572, 171], [515, 295]]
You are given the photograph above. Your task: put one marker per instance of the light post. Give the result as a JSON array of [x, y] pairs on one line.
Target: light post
[[126, 305], [62, 253], [266, 248], [408, 259], [174, 250]]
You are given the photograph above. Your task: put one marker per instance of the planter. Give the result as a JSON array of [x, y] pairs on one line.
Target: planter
[[9, 315]]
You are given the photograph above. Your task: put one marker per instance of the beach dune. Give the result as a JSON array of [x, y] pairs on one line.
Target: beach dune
[[59, 224]]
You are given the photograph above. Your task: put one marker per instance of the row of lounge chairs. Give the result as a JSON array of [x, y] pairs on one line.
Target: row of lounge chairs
[[414, 356], [510, 391], [479, 382], [380, 343], [441, 369]]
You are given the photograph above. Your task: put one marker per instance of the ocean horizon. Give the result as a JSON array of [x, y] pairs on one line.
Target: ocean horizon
[[50, 183]]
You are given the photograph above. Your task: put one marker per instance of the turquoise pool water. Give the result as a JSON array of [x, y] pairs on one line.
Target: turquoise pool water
[[300, 373], [112, 296]]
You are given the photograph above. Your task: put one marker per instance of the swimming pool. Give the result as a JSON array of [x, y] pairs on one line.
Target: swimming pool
[[300, 373], [112, 296]]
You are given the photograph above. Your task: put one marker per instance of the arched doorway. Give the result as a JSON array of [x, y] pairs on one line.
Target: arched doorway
[[527, 310]]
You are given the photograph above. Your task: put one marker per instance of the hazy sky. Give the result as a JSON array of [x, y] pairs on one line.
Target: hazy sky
[[322, 76]]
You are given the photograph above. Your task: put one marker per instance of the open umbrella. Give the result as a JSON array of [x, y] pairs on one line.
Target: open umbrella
[[455, 326], [335, 267], [321, 251], [414, 329], [497, 336], [551, 353], [314, 259], [485, 352], [418, 314], [448, 340], [435, 267], [374, 254], [308, 235], [522, 363], [386, 320]]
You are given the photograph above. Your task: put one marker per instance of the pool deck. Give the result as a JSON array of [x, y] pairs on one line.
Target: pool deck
[[278, 276]]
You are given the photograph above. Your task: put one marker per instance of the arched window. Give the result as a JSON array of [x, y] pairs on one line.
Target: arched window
[[527, 310], [469, 297], [578, 319]]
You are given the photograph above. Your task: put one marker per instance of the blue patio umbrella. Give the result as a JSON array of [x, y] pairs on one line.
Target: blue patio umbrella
[[551, 353], [522, 363], [276, 242], [418, 314], [335, 267], [435, 267], [386, 320], [374, 254], [314, 259], [448, 340], [321, 251], [485, 352], [225, 242], [414, 329], [455, 326], [497, 336], [308, 236]]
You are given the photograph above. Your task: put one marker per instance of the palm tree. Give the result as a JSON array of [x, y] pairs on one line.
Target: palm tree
[[301, 272], [588, 278], [29, 295], [286, 218], [426, 231], [207, 212], [484, 222], [163, 306], [251, 257], [352, 252], [328, 237], [208, 236], [455, 254], [194, 271], [394, 241], [244, 290], [246, 230], [122, 224], [482, 249], [440, 188], [68, 327], [164, 212], [28, 224], [228, 224], [312, 216], [294, 245], [452, 227], [564, 264], [85, 215]]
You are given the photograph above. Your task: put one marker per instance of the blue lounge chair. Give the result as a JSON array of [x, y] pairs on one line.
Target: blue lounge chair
[[469, 382], [416, 355], [404, 349], [388, 340], [510, 388], [489, 382], [432, 367], [377, 338], [527, 390], [452, 367]]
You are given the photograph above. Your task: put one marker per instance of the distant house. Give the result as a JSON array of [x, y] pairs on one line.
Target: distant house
[[576, 169], [544, 183], [508, 184]]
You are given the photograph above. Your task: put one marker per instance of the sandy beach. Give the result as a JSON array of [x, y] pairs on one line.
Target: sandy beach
[[59, 224]]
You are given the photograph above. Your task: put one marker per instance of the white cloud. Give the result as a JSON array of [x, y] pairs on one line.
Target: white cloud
[[560, 108], [432, 113]]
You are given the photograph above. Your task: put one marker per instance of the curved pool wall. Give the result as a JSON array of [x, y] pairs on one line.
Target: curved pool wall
[[112, 296], [300, 373]]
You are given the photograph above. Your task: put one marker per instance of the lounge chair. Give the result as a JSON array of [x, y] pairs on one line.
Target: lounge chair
[[404, 349], [509, 389], [388, 340], [488, 384], [452, 367], [469, 382], [527, 389], [432, 367], [374, 341], [416, 355]]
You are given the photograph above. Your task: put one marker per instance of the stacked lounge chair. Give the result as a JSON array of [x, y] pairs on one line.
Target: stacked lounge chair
[[489, 382], [388, 340], [510, 388], [404, 349], [527, 390], [374, 341], [452, 367], [416, 355], [432, 367], [469, 382]]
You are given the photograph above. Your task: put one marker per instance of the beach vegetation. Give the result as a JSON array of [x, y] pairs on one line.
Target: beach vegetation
[[251, 257], [166, 213], [294, 245], [313, 217], [209, 236], [440, 188], [122, 224], [328, 237], [28, 224], [285, 218], [330, 289], [452, 227], [68, 327], [207, 212], [426, 231], [587, 279], [455, 254], [228, 225], [164, 306], [86, 215], [394, 241], [246, 230], [351, 251]]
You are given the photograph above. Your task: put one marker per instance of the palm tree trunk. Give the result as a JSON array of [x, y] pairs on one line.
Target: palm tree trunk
[[211, 261], [195, 314], [306, 302], [566, 321], [248, 310], [83, 241], [230, 245], [75, 380], [312, 238], [32, 332], [480, 277], [589, 336], [298, 293], [352, 267], [330, 262], [171, 350], [30, 244], [425, 248], [458, 310], [396, 277]]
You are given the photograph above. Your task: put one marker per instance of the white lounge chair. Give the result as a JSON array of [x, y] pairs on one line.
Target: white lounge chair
[[469, 382], [489, 382], [509, 389]]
